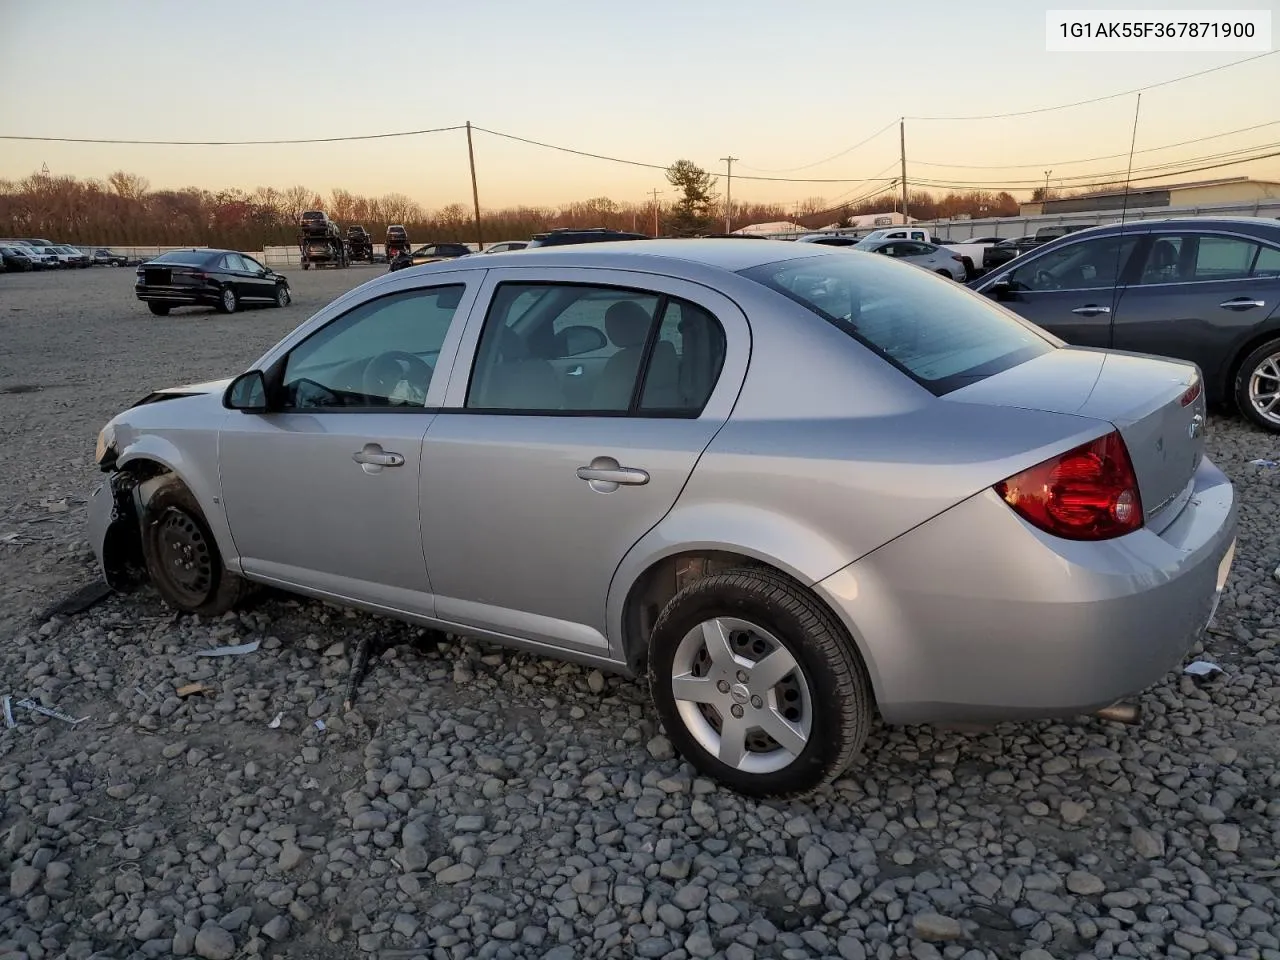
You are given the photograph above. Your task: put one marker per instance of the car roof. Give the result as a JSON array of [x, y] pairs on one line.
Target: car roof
[[681, 257]]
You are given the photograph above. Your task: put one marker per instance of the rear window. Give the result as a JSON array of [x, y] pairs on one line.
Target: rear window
[[938, 333], [189, 258]]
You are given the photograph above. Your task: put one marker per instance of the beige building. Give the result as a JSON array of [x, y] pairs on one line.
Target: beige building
[[1198, 194]]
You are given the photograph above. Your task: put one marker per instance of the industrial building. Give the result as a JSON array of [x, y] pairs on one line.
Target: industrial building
[[1180, 195]]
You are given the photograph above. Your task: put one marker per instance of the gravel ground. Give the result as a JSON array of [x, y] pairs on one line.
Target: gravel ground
[[480, 803]]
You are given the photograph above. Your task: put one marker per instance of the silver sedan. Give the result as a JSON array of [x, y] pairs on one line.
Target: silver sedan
[[918, 253], [794, 487]]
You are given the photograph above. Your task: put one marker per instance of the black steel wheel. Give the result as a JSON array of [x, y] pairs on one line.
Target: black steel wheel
[[182, 556]]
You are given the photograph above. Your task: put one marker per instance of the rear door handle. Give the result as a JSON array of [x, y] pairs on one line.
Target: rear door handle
[[605, 475], [1092, 310], [1242, 303], [372, 458]]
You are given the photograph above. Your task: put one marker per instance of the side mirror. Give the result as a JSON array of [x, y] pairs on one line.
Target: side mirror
[[247, 393], [575, 341], [1001, 289]]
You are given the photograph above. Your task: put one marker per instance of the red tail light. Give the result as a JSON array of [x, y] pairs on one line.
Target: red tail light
[[1192, 393], [957, 258], [1089, 493]]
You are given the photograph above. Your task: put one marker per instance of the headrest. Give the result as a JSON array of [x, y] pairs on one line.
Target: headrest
[[627, 324]]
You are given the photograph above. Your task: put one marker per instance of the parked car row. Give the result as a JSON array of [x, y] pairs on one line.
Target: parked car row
[[552, 238], [34, 253]]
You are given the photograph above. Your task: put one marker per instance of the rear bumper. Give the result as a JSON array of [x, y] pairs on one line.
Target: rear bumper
[[978, 616], [177, 295]]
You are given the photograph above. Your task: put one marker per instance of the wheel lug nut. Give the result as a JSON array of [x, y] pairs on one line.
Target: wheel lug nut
[[723, 686], [742, 676], [757, 702], [737, 711]]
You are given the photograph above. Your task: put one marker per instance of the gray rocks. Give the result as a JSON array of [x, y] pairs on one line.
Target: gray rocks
[[660, 749], [934, 926], [22, 879], [479, 804], [1084, 884], [215, 943], [1147, 844]]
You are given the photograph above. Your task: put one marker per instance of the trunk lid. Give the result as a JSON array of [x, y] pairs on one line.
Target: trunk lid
[[1146, 398]]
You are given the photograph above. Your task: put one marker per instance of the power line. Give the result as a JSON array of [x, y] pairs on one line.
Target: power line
[[834, 156], [942, 185], [1172, 168], [580, 153], [1109, 156], [234, 143], [1109, 96], [655, 166]]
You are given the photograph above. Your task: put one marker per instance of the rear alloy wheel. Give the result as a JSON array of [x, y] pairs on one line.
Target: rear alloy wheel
[[182, 557], [757, 685], [159, 309], [228, 302], [1258, 386], [282, 295]]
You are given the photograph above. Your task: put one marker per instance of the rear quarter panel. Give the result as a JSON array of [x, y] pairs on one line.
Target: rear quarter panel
[[830, 453]]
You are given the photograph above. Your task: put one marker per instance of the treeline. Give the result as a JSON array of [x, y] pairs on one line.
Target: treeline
[[124, 210]]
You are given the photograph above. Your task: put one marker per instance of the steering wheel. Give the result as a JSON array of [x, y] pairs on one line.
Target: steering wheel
[[385, 372], [1044, 280]]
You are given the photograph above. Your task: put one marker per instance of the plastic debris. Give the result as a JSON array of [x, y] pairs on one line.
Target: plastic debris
[[276, 721], [1265, 463], [7, 703], [320, 725], [232, 651], [1201, 668], [34, 707]]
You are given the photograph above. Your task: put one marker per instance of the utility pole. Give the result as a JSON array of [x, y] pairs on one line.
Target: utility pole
[[902, 153], [1045, 196], [475, 191], [728, 194], [655, 211]]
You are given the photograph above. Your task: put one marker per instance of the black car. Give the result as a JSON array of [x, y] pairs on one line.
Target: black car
[[109, 258], [19, 259], [220, 278], [1204, 289], [428, 254], [998, 254], [567, 235]]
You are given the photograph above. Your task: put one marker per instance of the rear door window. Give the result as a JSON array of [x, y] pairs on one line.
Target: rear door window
[[944, 337]]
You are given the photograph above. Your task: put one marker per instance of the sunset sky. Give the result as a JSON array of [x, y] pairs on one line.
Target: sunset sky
[[780, 85]]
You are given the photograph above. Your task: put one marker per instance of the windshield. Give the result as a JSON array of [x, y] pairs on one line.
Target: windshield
[[938, 333]]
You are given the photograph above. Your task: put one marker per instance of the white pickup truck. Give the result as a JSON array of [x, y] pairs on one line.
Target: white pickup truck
[[971, 251]]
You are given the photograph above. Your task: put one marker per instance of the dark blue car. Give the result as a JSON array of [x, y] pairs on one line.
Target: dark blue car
[[1205, 289]]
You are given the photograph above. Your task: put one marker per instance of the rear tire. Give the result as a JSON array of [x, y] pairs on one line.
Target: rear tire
[[1257, 386], [283, 298], [182, 557], [761, 651], [228, 301], [159, 309]]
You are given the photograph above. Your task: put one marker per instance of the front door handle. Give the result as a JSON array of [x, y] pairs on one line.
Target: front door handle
[[1092, 310], [605, 475], [1242, 303], [372, 458]]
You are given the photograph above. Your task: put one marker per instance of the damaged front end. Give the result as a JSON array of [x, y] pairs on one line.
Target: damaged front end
[[114, 531]]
